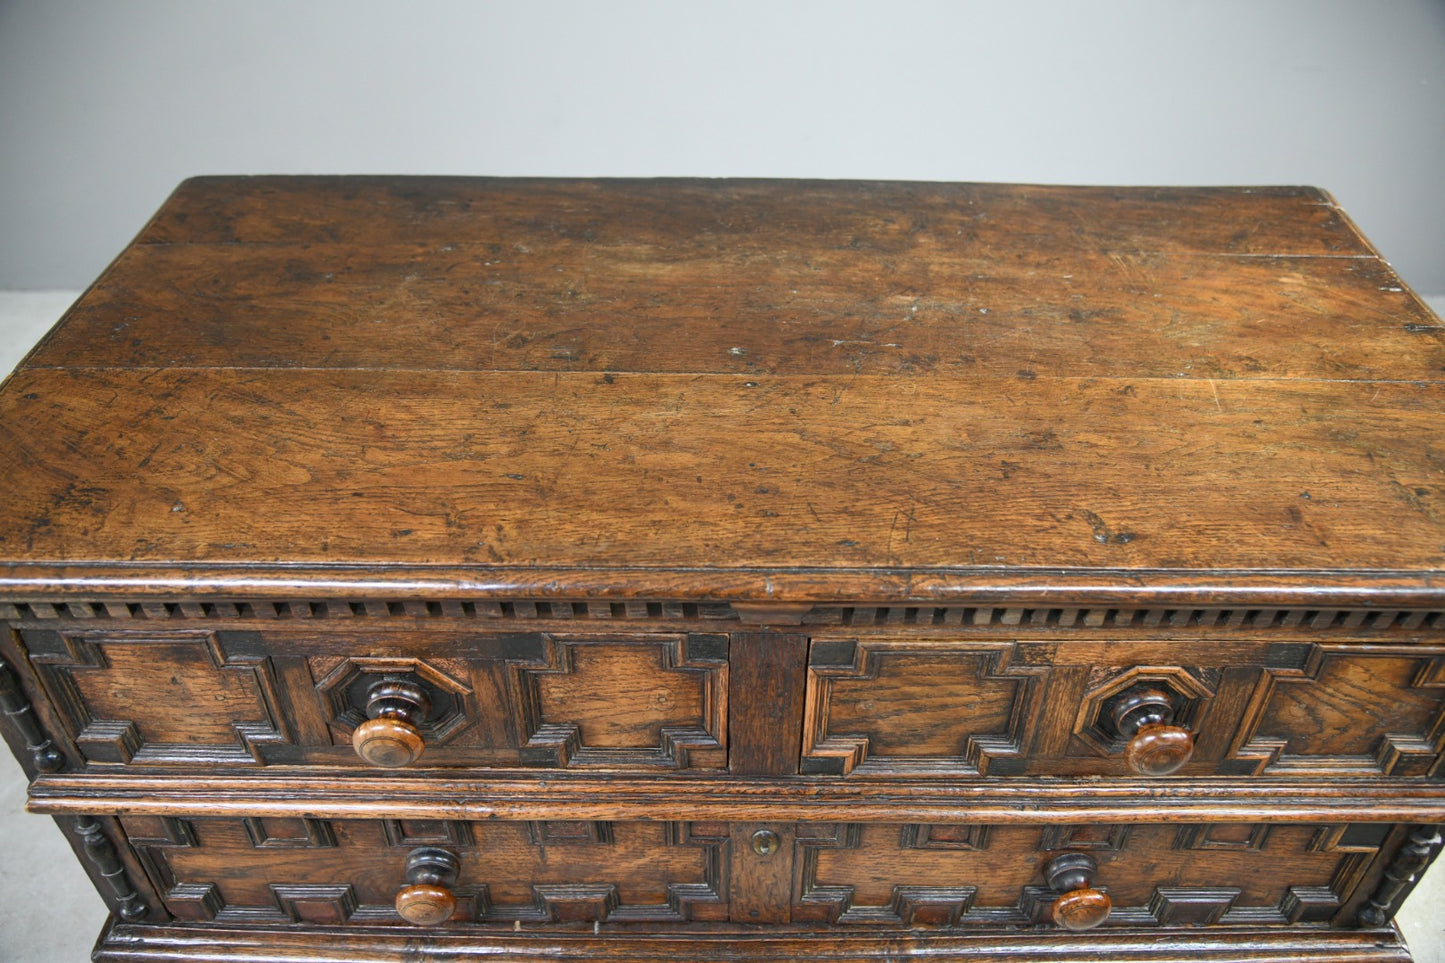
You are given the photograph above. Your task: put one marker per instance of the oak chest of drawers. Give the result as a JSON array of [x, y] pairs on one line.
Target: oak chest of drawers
[[429, 569]]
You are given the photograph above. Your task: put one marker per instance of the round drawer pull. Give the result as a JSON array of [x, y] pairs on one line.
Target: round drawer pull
[[1157, 747], [1081, 906], [391, 735], [427, 898]]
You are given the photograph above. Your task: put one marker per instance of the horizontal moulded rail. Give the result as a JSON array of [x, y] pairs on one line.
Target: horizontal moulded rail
[[997, 587], [561, 797]]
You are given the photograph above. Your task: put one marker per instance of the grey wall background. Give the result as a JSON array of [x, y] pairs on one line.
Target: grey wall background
[[104, 106]]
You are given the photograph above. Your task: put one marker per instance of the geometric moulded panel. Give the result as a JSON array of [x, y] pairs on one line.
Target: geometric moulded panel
[[344, 690], [918, 706], [620, 701], [1347, 711], [1187, 693], [174, 698]]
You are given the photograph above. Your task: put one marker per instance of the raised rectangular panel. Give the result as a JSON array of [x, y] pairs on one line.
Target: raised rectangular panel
[[918, 706], [187, 697], [1347, 710]]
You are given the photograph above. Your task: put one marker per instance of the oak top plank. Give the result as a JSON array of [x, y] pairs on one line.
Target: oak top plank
[[732, 388], [667, 212], [752, 276], [697, 472], [961, 313]]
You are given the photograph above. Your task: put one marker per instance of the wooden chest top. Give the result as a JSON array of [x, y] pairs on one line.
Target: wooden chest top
[[788, 390]]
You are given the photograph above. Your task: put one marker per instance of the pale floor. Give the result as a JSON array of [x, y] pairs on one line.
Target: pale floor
[[49, 912]]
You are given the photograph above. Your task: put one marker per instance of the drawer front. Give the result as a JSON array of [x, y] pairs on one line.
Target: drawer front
[[203, 697], [653, 702], [352, 871], [967, 708], [1154, 875], [294, 870]]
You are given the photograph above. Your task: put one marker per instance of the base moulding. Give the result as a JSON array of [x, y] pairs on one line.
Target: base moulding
[[149, 943]]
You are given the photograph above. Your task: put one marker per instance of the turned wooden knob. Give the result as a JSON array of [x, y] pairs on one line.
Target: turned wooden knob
[[427, 898], [391, 736], [1080, 906], [1159, 750], [425, 905], [389, 743], [1157, 747], [1082, 910]]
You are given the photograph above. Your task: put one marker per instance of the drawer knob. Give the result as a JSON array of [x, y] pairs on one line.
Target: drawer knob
[[427, 898], [1081, 906], [391, 735], [1157, 747]]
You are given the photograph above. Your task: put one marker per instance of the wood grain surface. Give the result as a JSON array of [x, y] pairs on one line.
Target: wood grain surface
[[622, 381], [720, 472]]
